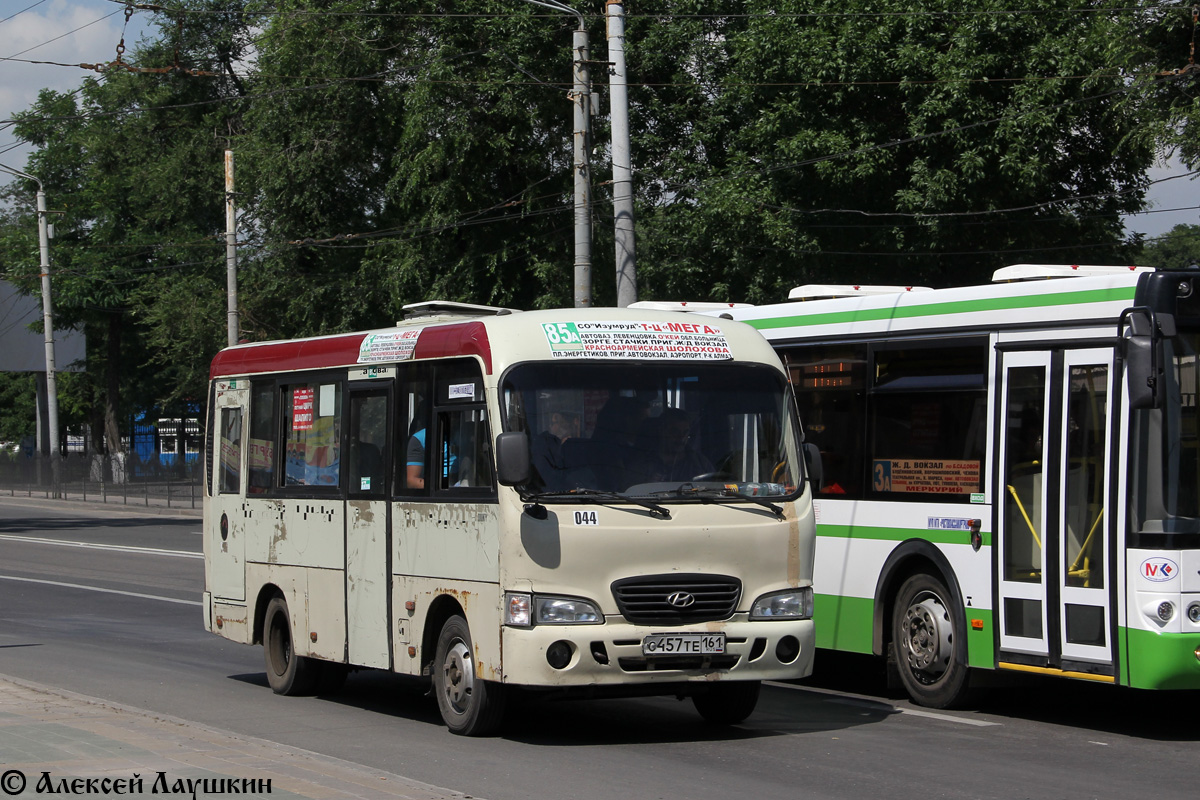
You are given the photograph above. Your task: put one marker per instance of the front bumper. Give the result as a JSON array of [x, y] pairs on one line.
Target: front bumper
[[611, 654]]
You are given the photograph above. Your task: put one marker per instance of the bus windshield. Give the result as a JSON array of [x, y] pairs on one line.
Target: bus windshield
[[672, 431], [1167, 490]]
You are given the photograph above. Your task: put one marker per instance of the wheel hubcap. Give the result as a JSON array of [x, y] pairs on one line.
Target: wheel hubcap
[[927, 637], [458, 677]]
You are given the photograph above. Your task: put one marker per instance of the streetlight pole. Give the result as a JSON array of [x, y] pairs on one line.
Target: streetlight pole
[[581, 97], [47, 322], [622, 158]]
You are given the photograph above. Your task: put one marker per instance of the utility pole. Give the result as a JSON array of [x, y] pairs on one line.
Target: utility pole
[[47, 324], [622, 158], [581, 98], [231, 253]]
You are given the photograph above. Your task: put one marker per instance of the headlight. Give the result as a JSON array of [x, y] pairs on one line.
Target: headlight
[[565, 611], [524, 611], [792, 604]]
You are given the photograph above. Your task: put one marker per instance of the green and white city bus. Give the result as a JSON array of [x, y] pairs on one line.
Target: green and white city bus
[[1011, 473]]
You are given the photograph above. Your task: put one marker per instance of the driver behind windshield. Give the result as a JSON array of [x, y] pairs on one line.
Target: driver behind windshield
[[669, 456]]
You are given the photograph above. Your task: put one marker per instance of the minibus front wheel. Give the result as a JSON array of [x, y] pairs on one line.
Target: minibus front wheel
[[469, 706]]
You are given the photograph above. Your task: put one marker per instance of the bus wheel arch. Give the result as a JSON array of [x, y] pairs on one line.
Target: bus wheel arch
[[265, 595], [918, 593]]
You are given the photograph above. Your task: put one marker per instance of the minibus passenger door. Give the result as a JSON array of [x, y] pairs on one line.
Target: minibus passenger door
[[227, 541], [368, 470]]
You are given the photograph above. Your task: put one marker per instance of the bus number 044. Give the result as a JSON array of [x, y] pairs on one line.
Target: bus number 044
[[587, 518]]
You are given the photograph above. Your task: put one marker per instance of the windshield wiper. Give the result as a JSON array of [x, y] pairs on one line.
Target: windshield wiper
[[710, 494], [598, 496]]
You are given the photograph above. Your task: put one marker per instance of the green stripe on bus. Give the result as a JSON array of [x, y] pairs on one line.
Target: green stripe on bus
[[1124, 293], [847, 623], [931, 535], [1160, 660], [843, 623]]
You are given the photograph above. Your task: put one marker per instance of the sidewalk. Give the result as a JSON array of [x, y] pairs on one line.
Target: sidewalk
[[58, 742], [156, 506]]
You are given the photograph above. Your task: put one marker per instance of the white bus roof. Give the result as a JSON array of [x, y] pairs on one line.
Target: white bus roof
[[1086, 298], [500, 340], [1033, 272], [684, 305], [827, 291]]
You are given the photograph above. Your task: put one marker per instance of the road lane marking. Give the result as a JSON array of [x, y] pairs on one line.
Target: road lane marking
[[102, 589], [115, 548], [887, 708]]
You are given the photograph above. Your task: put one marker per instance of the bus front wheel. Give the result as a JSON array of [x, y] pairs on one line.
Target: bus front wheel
[[728, 703], [470, 706], [288, 673], [925, 633]]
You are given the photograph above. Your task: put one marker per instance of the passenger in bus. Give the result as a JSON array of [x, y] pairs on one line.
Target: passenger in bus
[[546, 449], [667, 449], [414, 463]]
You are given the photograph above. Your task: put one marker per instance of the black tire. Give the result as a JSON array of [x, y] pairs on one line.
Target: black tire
[[288, 673], [470, 706], [728, 703], [927, 625]]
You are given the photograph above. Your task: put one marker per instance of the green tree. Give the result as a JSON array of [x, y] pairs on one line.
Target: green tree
[[1179, 248], [134, 158]]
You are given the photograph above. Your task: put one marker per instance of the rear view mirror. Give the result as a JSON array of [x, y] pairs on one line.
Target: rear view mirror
[[512, 458], [1142, 351], [814, 469]]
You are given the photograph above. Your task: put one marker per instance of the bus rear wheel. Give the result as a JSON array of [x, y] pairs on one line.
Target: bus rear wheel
[[728, 703], [469, 705], [287, 673], [925, 632]]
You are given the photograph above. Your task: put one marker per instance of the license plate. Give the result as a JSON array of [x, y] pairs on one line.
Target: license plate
[[688, 644]]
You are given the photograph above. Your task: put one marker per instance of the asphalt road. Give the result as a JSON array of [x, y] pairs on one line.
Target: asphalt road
[[107, 605]]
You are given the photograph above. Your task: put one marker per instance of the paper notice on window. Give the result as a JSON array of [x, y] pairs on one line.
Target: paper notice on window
[[391, 346], [302, 408], [925, 476], [688, 341]]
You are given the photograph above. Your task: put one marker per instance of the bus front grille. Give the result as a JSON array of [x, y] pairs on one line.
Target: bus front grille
[[676, 599]]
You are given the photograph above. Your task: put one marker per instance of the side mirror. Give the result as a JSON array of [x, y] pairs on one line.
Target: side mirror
[[814, 469], [512, 458], [1142, 351]]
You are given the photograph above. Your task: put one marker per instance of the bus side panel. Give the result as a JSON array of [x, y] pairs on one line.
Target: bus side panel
[[854, 541], [459, 541], [298, 533], [480, 604], [316, 603], [233, 621]]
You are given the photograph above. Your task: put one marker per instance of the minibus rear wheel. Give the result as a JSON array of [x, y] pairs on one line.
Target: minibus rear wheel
[[287, 673]]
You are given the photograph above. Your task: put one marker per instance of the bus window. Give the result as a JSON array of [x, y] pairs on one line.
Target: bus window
[[312, 434], [231, 451], [830, 386], [367, 442], [926, 422], [261, 457]]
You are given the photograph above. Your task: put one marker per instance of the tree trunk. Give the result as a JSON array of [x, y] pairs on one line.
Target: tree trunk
[[112, 398]]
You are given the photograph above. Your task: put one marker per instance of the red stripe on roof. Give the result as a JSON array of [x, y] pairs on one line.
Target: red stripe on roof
[[461, 339], [332, 351], [438, 341]]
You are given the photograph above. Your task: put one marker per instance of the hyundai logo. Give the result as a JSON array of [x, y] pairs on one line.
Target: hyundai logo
[[681, 599]]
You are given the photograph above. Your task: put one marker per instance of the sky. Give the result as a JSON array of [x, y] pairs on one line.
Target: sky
[[88, 31]]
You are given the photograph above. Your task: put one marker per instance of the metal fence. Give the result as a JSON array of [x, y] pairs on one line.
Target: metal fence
[[123, 479]]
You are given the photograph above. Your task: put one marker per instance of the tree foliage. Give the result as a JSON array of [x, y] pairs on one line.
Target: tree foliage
[[390, 152]]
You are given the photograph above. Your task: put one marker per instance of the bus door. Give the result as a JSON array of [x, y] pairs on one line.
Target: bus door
[[227, 541], [368, 528], [1054, 527]]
